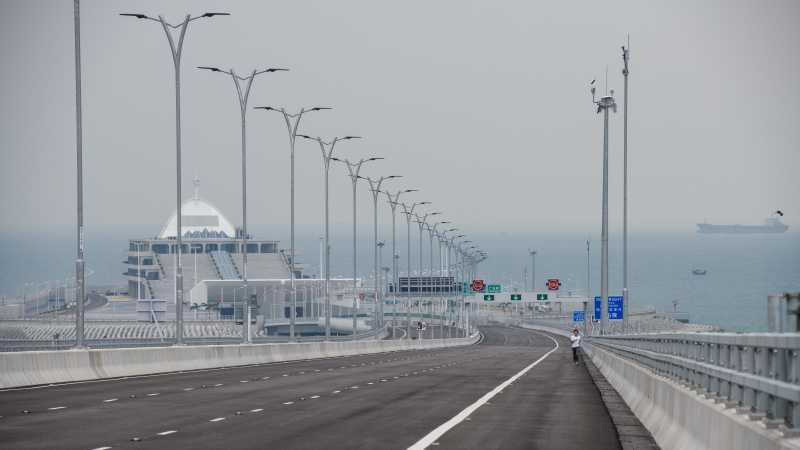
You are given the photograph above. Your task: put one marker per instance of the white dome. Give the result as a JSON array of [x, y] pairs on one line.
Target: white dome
[[198, 218]]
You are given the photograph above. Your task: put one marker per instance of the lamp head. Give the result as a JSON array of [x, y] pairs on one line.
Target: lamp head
[[138, 16]]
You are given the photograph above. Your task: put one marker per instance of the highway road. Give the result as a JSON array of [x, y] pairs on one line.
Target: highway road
[[391, 400]]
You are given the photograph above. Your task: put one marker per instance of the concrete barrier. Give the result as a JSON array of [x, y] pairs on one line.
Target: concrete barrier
[[45, 367], [678, 417]]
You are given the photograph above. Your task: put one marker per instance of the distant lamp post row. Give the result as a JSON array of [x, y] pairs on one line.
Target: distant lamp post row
[[243, 86]]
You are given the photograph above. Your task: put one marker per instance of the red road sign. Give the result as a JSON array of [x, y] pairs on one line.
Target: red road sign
[[477, 285], [553, 284]]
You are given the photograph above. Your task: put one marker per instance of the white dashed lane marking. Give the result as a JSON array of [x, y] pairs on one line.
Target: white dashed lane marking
[[167, 433], [110, 400], [336, 391], [153, 394], [218, 385], [102, 448], [217, 419], [188, 389], [56, 408], [315, 396], [256, 410], [288, 403]]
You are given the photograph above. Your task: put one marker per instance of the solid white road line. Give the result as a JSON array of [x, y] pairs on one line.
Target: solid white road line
[[217, 419], [167, 433], [434, 435]]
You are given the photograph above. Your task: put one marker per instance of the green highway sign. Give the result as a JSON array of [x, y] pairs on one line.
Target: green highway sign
[[494, 288], [516, 297], [541, 296], [488, 297]]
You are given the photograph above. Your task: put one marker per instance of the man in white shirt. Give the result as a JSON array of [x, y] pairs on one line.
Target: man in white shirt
[[575, 338]]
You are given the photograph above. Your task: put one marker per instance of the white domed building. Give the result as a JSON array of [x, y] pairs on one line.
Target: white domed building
[[212, 249]]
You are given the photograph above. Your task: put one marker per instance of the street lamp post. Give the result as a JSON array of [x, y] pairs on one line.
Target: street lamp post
[[431, 234], [455, 267], [533, 269], [445, 261], [243, 95], [375, 189], [422, 223], [394, 200], [604, 104], [177, 50], [80, 288], [409, 212], [380, 282], [625, 293], [292, 123], [353, 168], [327, 147]]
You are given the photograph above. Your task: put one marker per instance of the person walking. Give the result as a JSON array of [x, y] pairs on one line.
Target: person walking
[[575, 339]]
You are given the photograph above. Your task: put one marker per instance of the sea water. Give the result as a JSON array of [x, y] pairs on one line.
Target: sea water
[[742, 270]]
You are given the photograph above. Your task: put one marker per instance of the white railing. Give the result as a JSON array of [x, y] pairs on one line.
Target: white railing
[[757, 373]]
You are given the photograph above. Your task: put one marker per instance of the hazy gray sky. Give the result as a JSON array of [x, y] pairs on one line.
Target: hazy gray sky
[[483, 106]]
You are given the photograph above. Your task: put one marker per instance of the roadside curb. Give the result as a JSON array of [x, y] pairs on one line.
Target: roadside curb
[[632, 434]]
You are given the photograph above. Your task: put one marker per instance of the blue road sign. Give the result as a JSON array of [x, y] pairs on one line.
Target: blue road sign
[[577, 316], [598, 308], [616, 306]]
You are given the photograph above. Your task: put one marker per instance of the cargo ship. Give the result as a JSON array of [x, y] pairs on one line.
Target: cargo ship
[[770, 225]]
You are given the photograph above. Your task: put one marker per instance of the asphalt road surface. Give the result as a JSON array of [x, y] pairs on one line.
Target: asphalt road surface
[[386, 401]]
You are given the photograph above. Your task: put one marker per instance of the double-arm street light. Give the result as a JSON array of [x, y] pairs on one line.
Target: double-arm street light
[[177, 50], [375, 189], [450, 246], [243, 93], [394, 201], [409, 212], [353, 168], [432, 233], [422, 223], [327, 147], [604, 104], [292, 123], [443, 271]]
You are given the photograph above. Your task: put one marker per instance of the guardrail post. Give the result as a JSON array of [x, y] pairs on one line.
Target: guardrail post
[[761, 398], [775, 313], [793, 312]]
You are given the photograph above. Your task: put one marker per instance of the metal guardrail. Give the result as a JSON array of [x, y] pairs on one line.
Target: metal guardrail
[[17, 345], [757, 373]]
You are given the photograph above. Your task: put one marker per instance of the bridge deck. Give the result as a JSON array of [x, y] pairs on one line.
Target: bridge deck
[[375, 401]]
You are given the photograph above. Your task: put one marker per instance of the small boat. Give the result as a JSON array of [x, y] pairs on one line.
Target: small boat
[[699, 271]]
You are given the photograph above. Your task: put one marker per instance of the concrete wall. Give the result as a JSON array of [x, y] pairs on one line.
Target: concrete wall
[[678, 417], [45, 367]]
